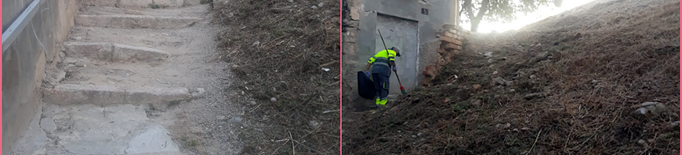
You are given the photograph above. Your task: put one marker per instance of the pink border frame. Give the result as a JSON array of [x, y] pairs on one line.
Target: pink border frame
[[680, 83], [341, 77], [340, 74], [340, 83], [1, 90]]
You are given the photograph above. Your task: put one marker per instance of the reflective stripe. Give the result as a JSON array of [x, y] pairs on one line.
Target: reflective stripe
[[382, 63], [381, 60]]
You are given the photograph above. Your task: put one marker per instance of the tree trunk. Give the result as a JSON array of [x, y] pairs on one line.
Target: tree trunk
[[466, 6], [474, 24], [481, 12]]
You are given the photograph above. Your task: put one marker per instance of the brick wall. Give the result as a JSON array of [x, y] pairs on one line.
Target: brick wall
[[451, 38]]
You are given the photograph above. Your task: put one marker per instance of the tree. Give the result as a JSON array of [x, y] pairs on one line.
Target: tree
[[500, 10]]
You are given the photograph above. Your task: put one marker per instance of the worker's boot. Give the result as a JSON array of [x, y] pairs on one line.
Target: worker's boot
[[381, 104]]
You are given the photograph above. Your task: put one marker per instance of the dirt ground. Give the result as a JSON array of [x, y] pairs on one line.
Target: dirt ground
[[285, 57], [571, 84]]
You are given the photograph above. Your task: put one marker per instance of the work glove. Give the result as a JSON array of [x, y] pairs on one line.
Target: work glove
[[395, 69], [367, 73]]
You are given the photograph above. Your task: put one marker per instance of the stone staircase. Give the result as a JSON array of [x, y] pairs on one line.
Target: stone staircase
[[122, 59]]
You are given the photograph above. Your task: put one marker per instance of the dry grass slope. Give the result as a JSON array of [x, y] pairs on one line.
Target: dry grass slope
[[573, 80], [281, 49]]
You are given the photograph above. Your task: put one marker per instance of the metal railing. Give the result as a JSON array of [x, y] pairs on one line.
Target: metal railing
[[13, 31]]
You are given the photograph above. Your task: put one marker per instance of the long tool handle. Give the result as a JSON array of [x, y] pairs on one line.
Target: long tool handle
[[382, 40], [402, 90], [396, 76]]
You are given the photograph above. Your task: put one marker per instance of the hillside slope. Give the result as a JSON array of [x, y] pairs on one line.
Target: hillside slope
[[285, 56], [570, 84]]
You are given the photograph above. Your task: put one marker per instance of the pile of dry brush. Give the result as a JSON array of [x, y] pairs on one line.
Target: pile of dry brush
[[287, 55]]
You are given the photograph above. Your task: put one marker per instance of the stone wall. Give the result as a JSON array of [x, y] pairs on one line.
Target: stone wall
[[24, 62], [350, 56]]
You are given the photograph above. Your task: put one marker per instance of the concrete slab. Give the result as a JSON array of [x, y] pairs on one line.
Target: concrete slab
[[69, 94], [135, 3], [119, 129], [169, 3], [98, 51], [33, 140], [84, 94], [156, 95], [161, 153], [129, 53], [51, 109], [192, 2], [113, 52], [91, 129], [154, 139], [135, 21], [109, 3], [47, 124]]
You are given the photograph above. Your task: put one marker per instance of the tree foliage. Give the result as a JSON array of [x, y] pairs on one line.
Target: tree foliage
[[500, 10]]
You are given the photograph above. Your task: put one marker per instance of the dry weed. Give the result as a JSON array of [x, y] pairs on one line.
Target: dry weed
[[289, 52]]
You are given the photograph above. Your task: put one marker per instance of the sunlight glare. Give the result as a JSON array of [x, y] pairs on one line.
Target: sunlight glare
[[523, 20]]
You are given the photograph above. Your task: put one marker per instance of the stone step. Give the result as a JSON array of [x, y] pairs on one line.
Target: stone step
[[169, 41], [141, 3], [114, 52], [80, 71], [135, 21], [70, 94], [161, 153], [190, 11]]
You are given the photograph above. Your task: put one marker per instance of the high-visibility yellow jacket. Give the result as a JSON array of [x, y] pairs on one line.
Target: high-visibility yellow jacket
[[382, 58]]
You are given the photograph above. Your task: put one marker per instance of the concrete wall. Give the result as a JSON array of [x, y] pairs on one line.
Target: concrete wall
[[24, 62], [441, 12], [360, 24]]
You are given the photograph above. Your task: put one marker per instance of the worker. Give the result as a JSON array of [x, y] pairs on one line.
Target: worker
[[382, 63]]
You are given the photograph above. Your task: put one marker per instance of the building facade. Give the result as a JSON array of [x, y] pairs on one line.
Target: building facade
[[415, 26]]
